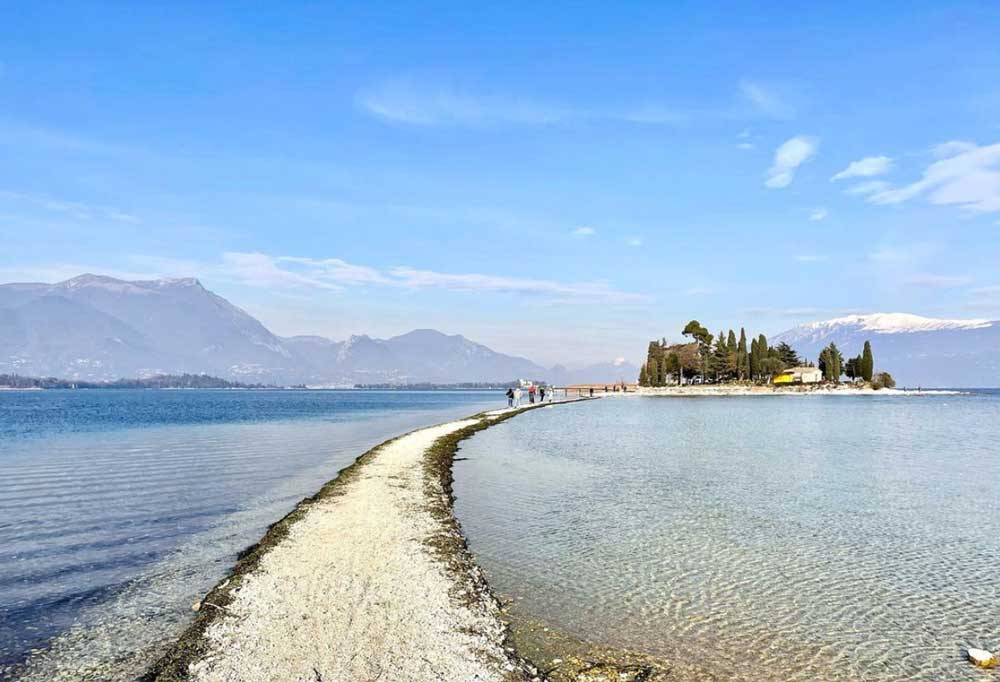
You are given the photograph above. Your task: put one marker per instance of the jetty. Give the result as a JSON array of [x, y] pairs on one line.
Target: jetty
[[369, 579]]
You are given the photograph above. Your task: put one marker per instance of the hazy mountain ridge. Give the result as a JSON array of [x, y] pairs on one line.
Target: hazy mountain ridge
[[918, 351], [98, 328]]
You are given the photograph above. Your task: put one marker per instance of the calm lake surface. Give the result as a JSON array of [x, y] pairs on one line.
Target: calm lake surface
[[750, 538], [120, 508]]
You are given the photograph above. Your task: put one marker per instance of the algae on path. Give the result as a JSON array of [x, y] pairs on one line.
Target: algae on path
[[369, 578]]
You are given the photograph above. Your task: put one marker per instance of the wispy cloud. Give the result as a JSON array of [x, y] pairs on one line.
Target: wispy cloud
[[810, 258], [788, 157], [793, 313], [818, 214], [74, 209], [951, 148], [408, 102], [15, 133], [584, 232], [634, 241], [698, 291], [297, 273], [583, 292], [871, 187], [969, 179], [418, 102], [868, 167], [766, 100], [939, 281]]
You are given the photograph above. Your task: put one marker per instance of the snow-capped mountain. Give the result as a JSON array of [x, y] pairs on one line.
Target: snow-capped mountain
[[94, 327], [918, 351]]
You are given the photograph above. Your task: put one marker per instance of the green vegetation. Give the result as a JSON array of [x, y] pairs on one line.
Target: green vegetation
[[883, 380], [724, 358], [159, 381]]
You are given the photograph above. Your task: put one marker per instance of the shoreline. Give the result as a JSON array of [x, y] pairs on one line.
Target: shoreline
[[726, 390], [369, 578]]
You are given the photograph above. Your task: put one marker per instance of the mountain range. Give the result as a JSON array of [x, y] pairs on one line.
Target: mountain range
[[917, 351], [99, 328]]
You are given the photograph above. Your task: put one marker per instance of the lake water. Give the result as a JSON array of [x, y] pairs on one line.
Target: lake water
[[120, 508], [750, 538]]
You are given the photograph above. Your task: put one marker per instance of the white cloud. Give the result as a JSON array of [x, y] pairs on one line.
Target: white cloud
[[698, 291], [334, 274], [939, 281], [657, 114], [584, 292], [416, 104], [422, 103], [766, 100], [818, 214], [634, 241], [296, 273], [74, 209], [584, 232], [867, 167], [788, 157], [746, 146], [867, 187], [970, 179], [951, 148], [810, 258]]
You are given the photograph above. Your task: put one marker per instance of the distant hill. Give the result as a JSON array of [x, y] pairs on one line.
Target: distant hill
[[99, 328], [158, 381], [918, 351]]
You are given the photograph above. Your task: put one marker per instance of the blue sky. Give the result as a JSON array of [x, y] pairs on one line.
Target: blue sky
[[562, 182]]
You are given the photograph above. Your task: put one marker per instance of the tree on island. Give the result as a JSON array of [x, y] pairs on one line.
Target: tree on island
[[742, 357], [883, 380], [703, 338], [867, 362], [831, 363], [725, 358], [852, 368], [788, 355]]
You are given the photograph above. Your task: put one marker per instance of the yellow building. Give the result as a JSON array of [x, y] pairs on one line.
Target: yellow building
[[799, 375]]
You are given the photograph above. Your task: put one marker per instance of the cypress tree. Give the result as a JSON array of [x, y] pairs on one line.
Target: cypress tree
[[643, 381], [742, 361], [867, 362], [754, 359], [762, 354]]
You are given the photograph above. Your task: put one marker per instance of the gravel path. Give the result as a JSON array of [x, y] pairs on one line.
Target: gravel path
[[362, 587]]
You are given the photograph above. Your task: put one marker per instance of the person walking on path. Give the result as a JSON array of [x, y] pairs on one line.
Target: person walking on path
[[517, 397], [510, 397], [531, 394], [541, 394]]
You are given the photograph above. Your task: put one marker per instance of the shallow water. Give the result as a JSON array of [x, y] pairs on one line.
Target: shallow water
[[750, 538], [119, 509]]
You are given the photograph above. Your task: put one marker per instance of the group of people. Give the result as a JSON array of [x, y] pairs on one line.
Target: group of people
[[514, 395]]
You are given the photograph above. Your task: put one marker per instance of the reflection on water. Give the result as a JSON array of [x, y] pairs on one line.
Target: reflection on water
[[757, 538], [118, 509]]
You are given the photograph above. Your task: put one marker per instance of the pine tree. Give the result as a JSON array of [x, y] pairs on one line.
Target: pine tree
[[787, 354], [867, 362], [704, 341], [720, 356], [643, 381]]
